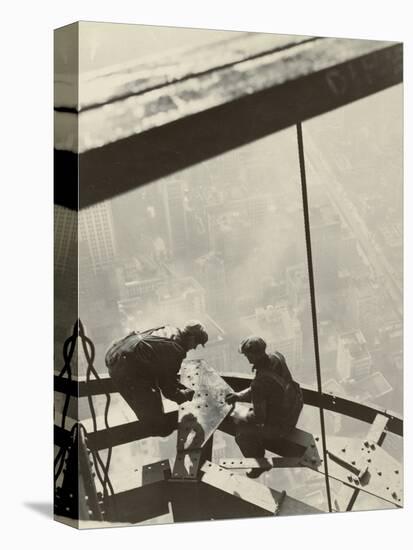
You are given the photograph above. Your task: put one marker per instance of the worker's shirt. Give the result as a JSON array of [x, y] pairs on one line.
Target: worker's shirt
[[155, 356], [268, 391]]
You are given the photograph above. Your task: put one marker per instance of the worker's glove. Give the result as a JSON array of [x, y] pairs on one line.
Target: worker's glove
[[187, 394], [231, 398]]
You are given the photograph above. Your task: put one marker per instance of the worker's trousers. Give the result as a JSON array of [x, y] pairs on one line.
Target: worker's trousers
[[251, 439], [144, 398]]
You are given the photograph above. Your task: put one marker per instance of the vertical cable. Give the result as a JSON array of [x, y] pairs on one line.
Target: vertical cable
[[313, 301]]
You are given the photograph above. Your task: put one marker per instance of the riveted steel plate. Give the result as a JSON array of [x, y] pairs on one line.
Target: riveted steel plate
[[199, 418]]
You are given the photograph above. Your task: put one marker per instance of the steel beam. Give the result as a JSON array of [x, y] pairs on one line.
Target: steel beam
[[336, 403], [248, 498], [153, 134], [145, 494], [117, 435]]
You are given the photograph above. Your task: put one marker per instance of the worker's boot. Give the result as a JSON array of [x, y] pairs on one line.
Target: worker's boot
[[256, 472]]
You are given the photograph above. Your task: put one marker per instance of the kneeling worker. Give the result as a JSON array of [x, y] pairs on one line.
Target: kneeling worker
[[276, 401], [145, 364]]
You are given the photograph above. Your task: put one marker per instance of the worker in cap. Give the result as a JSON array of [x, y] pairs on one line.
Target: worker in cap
[[144, 366], [194, 333], [276, 401]]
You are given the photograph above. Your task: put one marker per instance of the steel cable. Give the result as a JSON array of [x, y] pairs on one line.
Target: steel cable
[[313, 301]]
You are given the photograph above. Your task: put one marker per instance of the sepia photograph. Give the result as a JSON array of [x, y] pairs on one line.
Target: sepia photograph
[[228, 275]]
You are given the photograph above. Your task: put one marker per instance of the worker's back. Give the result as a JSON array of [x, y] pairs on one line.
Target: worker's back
[[274, 385], [150, 352]]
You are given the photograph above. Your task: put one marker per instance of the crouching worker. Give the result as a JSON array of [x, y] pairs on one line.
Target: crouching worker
[[276, 401], [144, 365]]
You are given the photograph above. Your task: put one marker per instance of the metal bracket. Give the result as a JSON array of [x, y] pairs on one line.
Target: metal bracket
[[364, 466], [309, 456]]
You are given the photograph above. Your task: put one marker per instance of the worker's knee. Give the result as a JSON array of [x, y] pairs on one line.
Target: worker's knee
[[165, 429]]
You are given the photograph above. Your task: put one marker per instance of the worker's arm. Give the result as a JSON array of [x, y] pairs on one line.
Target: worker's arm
[[172, 389], [168, 379], [244, 395]]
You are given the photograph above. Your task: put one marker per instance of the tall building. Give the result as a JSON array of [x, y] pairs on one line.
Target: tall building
[[349, 258], [236, 224], [280, 330], [230, 230], [365, 306], [176, 223], [326, 238], [354, 360], [298, 287], [210, 271], [65, 238], [217, 350], [65, 277], [180, 299], [97, 231], [138, 280], [390, 235]]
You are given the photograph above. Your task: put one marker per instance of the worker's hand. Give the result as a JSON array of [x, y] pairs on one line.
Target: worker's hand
[[231, 398]]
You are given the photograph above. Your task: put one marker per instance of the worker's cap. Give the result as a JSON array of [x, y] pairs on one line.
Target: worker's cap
[[197, 330], [252, 344]]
